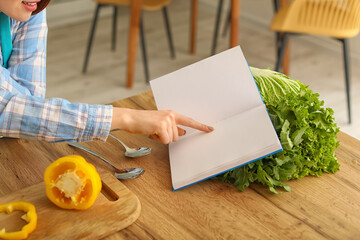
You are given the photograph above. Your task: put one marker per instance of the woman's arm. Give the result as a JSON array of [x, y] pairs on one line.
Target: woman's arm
[[56, 119], [53, 120]]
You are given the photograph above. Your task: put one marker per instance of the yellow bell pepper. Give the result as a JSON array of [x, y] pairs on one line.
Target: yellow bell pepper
[[30, 217], [72, 183]]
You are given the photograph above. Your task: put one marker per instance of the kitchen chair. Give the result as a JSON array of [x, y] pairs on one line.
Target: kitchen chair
[[149, 5], [233, 17], [217, 25], [227, 22], [339, 19], [276, 4]]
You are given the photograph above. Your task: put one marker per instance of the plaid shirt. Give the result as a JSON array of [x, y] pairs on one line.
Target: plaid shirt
[[24, 111]]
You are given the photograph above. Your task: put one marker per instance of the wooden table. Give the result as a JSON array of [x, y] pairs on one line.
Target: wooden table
[[326, 207]]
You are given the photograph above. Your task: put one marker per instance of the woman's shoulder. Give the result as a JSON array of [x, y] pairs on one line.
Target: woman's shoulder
[[39, 18], [35, 21]]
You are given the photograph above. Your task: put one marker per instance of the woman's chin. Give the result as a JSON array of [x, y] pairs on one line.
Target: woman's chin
[[22, 17]]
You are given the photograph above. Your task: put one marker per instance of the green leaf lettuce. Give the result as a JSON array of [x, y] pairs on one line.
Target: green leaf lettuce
[[306, 129]]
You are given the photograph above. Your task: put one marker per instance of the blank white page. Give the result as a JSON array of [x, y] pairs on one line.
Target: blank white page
[[208, 91]]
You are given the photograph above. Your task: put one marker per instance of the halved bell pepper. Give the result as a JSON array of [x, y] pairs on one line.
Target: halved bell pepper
[[72, 183], [30, 217]]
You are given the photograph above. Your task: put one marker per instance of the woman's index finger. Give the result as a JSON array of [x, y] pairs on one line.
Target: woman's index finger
[[189, 122]]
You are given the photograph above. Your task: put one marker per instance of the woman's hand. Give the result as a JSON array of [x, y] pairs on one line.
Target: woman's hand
[[161, 125]]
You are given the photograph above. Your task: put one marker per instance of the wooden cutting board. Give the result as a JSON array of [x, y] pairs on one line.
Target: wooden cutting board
[[115, 208]]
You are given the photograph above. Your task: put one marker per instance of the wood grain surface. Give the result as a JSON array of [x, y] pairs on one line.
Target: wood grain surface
[[115, 209], [325, 207]]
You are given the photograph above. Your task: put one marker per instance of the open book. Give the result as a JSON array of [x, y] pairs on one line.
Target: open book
[[219, 91]]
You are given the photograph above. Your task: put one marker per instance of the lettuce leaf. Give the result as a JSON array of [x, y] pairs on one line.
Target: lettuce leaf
[[306, 129]]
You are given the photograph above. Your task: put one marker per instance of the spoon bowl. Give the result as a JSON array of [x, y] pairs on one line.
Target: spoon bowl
[[125, 173], [133, 152]]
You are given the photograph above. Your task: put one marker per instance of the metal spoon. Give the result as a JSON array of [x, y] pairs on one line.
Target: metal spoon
[[119, 173], [133, 152]]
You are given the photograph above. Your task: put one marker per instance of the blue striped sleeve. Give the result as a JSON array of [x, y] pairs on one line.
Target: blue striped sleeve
[[52, 120]]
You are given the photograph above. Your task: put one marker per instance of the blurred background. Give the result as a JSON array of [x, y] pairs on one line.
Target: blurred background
[[315, 61]]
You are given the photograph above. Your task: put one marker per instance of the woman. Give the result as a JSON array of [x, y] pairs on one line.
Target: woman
[[24, 111]]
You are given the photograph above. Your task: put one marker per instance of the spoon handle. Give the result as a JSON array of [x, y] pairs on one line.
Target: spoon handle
[[86, 149], [117, 139]]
